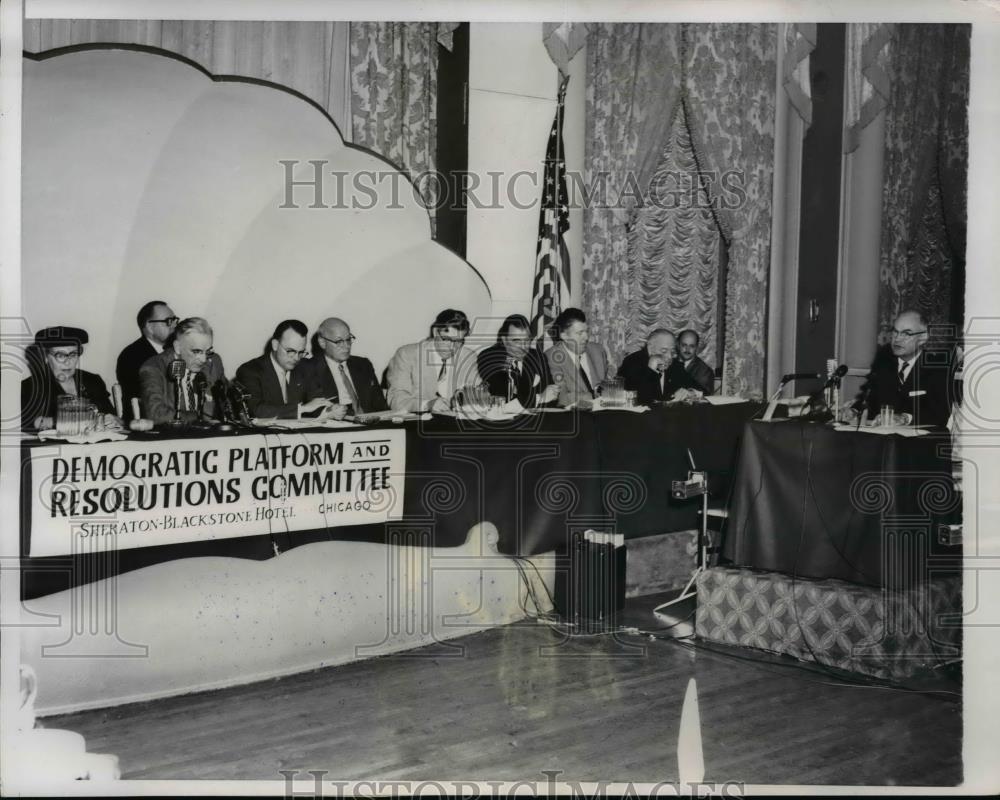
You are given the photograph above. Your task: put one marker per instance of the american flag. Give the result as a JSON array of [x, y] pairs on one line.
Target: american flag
[[551, 289]]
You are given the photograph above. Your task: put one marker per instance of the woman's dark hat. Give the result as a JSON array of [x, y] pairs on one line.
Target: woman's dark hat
[[61, 336]]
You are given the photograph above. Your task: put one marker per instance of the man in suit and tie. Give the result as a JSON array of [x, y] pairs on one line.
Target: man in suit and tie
[[346, 381], [577, 365], [198, 371], [688, 345], [425, 375], [905, 379], [512, 369], [275, 386], [654, 373], [156, 321]]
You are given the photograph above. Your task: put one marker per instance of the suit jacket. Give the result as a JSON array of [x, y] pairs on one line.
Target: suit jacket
[[261, 382], [127, 371], [703, 374], [158, 389], [40, 395], [413, 375], [320, 382], [567, 374], [533, 378], [924, 393], [645, 382]]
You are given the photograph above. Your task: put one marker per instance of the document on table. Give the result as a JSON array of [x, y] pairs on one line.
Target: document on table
[[907, 431], [298, 424], [724, 399]]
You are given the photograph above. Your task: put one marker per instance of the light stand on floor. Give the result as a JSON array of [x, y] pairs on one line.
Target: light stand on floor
[[695, 485]]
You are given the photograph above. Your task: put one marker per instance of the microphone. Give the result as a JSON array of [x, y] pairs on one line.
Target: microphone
[[835, 376], [238, 397], [803, 376], [177, 369], [220, 399], [200, 384]]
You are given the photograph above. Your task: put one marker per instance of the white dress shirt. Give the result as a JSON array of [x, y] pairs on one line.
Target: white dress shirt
[[343, 393], [581, 360], [446, 383], [282, 374]]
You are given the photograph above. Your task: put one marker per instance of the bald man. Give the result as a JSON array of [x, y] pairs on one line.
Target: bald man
[[903, 377], [654, 372], [344, 379]]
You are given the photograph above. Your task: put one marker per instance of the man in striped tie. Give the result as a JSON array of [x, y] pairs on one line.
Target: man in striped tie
[[345, 380]]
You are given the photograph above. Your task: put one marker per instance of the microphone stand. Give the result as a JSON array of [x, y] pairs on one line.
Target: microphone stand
[[177, 369], [772, 403]]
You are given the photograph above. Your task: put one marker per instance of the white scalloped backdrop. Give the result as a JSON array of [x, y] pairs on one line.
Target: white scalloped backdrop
[[144, 178]]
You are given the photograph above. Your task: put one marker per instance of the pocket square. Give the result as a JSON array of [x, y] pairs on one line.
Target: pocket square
[[918, 392]]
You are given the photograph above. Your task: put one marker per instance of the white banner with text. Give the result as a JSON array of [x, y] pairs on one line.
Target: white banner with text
[[120, 495]]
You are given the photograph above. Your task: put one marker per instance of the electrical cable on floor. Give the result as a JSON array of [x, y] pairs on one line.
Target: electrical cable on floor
[[790, 669]]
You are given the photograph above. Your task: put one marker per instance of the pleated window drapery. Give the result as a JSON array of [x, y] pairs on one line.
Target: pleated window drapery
[[693, 104], [924, 195]]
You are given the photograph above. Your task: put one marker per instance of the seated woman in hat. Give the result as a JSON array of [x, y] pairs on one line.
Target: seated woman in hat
[[54, 372]]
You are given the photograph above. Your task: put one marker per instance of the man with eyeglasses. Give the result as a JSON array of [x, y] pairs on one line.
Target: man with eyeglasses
[[156, 321], [425, 375], [274, 381], [54, 366], [202, 368], [346, 381], [513, 369], [902, 376]]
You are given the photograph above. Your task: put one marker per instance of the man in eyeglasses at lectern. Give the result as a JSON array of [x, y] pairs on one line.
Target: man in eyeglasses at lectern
[[905, 378]]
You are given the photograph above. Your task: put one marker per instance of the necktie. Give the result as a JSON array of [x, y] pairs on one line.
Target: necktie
[[350, 388], [284, 386], [192, 404], [586, 377], [443, 389], [515, 380], [663, 378], [902, 373]]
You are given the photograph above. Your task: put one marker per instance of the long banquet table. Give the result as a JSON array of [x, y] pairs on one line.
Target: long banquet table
[[537, 478]]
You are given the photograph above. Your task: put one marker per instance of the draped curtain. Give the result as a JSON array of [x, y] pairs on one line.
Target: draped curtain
[[696, 101], [393, 78], [926, 155], [308, 57]]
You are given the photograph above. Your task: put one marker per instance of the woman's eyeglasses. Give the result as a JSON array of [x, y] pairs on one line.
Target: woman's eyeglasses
[[63, 357]]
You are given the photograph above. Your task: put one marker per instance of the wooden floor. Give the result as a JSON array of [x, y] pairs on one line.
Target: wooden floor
[[508, 703]]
